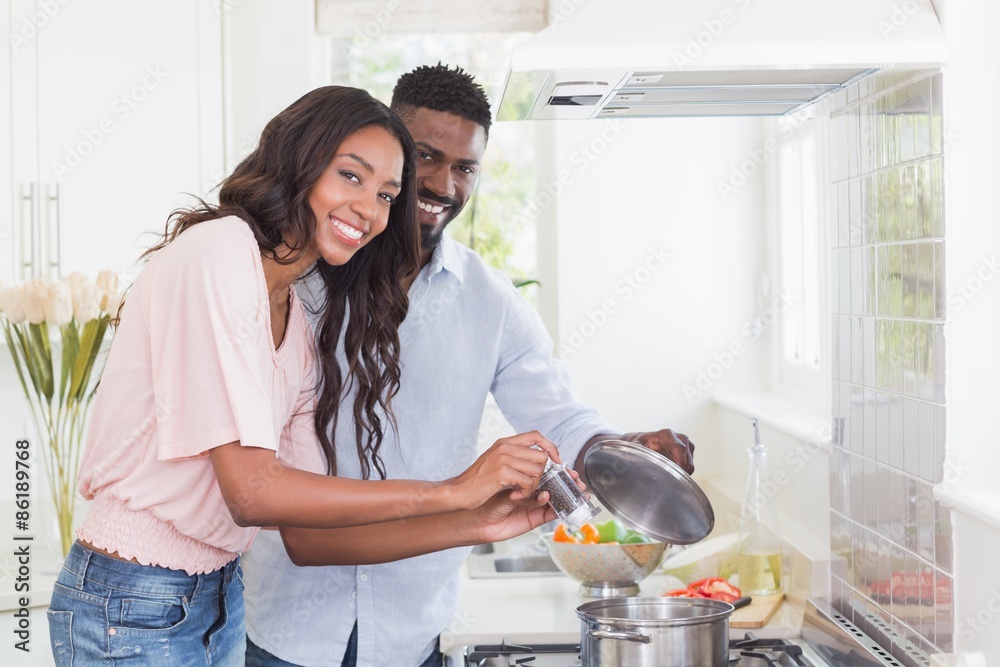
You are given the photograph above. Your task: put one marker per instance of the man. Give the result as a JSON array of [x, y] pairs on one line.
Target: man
[[468, 333]]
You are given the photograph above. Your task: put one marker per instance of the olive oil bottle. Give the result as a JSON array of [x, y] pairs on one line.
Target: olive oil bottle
[[760, 544]]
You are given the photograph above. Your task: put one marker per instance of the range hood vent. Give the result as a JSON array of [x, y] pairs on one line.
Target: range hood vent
[[665, 58]]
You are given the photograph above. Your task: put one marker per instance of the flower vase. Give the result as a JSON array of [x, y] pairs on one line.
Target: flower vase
[[54, 332], [60, 447]]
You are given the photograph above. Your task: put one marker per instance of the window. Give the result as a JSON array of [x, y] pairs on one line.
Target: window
[[797, 214], [494, 222]]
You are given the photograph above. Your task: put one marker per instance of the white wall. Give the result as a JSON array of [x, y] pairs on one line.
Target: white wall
[[972, 332], [273, 57], [635, 191]]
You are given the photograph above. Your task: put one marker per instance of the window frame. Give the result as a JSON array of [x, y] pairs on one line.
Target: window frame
[[800, 382]]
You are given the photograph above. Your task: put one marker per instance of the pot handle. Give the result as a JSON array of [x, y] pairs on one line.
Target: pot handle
[[624, 636]]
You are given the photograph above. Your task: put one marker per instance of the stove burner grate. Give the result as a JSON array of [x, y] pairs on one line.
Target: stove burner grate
[[749, 651], [774, 652], [483, 652]]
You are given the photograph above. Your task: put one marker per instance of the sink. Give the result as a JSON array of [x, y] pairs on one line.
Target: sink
[[524, 564], [497, 566]]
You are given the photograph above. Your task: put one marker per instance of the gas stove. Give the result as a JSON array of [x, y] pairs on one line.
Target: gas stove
[[746, 652], [828, 640]]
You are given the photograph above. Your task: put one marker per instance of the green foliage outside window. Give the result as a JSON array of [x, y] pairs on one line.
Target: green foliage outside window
[[493, 222]]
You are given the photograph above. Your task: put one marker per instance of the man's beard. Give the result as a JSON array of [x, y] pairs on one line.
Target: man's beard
[[430, 237]]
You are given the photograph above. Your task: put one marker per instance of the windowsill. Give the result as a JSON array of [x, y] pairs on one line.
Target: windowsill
[[805, 421], [975, 500]]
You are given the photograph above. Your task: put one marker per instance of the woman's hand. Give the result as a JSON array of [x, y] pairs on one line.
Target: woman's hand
[[501, 518], [513, 465]]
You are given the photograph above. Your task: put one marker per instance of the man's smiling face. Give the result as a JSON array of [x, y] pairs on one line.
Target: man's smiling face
[[449, 152]]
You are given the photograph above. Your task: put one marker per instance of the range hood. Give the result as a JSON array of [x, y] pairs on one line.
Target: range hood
[[663, 58]]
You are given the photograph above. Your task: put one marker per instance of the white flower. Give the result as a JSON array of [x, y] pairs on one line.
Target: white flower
[[12, 304], [34, 295], [107, 281], [59, 304], [86, 296], [86, 302]]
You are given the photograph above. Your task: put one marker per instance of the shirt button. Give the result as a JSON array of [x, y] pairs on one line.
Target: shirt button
[[363, 577]]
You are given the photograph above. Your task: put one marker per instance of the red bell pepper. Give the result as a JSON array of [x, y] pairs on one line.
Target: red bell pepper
[[714, 588]]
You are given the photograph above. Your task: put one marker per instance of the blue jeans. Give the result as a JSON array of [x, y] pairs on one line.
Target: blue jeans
[[109, 611], [258, 657]]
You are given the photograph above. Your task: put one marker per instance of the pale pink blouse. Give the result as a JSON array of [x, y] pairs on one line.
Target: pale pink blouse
[[193, 366]]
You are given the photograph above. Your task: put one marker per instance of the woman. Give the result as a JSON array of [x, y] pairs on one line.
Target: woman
[[207, 420]]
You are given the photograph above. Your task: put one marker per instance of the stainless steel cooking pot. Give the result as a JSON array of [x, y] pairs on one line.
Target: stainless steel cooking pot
[[654, 632]]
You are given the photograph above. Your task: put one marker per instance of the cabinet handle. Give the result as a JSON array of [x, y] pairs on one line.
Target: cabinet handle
[[26, 231], [54, 232]]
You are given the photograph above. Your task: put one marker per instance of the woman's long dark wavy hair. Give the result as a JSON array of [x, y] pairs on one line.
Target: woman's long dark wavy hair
[[270, 191]]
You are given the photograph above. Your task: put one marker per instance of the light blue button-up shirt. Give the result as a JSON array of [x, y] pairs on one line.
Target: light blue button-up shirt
[[467, 333]]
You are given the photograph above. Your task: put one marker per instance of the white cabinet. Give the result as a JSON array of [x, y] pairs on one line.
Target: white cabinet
[[116, 112], [7, 213]]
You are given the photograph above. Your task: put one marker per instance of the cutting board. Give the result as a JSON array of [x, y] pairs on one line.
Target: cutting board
[[757, 613]]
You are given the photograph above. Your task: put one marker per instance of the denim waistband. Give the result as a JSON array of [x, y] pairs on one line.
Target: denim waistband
[[97, 568]]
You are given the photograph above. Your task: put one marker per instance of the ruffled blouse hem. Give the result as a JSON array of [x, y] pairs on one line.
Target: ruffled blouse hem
[[138, 534]]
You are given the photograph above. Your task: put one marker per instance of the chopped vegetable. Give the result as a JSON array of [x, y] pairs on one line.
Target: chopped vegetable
[[562, 536], [633, 537], [611, 531], [714, 588], [590, 534]]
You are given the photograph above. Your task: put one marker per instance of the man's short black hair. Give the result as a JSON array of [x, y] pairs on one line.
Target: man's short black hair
[[439, 88]]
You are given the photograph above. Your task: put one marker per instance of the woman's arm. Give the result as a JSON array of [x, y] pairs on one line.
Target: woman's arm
[[260, 491], [498, 519]]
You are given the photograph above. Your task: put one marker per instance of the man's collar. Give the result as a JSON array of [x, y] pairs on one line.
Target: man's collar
[[447, 256]]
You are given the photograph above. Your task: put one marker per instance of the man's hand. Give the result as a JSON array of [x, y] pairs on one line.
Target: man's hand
[[675, 446]]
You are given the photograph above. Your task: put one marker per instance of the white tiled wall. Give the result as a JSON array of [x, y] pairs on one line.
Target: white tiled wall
[[892, 542]]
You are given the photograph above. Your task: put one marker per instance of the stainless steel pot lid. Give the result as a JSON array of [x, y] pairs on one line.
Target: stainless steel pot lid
[[654, 611], [648, 492]]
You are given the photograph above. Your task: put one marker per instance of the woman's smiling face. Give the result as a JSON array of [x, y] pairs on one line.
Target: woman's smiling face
[[351, 199]]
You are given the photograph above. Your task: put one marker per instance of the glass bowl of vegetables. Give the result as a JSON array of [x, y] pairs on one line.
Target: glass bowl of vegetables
[[607, 559]]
